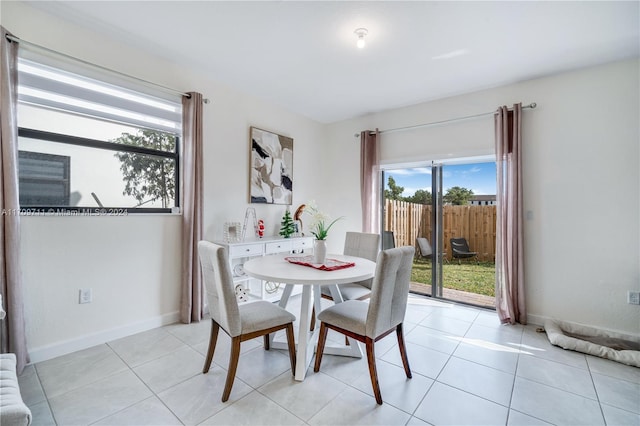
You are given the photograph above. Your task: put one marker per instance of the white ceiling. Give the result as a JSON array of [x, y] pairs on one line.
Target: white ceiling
[[302, 55]]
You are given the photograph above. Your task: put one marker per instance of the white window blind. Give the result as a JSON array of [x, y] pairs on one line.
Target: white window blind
[[45, 86]]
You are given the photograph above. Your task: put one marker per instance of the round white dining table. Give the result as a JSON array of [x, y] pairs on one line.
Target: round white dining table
[[275, 268]]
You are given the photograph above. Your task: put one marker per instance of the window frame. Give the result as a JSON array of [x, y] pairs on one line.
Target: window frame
[[103, 145]]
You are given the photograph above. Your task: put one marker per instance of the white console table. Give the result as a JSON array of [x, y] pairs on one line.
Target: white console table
[[240, 252]]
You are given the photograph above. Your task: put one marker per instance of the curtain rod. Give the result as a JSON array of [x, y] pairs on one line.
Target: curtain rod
[[532, 105], [64, 55]]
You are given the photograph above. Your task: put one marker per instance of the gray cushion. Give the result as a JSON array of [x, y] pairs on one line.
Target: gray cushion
[[262, 315], [13, 411], [350, 315], [351, 291]]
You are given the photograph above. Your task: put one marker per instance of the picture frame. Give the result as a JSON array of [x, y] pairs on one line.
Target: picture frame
[[271, 168], [232, 232]]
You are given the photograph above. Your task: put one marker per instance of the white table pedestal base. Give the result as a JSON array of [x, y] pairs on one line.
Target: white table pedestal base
[[307, 340]]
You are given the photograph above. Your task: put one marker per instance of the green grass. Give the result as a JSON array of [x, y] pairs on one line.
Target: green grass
[[469, 276]]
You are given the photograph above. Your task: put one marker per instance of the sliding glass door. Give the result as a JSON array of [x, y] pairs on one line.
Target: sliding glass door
[[435, 207]]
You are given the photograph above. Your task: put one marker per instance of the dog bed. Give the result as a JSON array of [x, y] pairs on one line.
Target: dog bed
[[624, 348]]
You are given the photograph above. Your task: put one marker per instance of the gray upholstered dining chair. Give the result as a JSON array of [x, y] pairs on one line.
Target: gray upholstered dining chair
[[370, 322], [241, 323], [359, 244]]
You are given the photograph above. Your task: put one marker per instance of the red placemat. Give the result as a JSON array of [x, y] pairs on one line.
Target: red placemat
[[329, 264]]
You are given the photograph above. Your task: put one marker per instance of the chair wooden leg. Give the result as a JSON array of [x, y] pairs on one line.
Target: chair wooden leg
[[403, 350], [322, 338], [233, 366], [313, 319], [373, 372], [266, 342], [291, 343], [213, 338]]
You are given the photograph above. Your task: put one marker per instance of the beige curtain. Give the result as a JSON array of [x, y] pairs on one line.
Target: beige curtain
[[192, 304], [370, 181], [510, 294], [12, 330]]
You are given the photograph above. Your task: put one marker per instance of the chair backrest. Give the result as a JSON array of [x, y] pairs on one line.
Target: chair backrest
[[388, 240], [218, 283], [459, 245], [424, 247], [390, 290], [362, 244]]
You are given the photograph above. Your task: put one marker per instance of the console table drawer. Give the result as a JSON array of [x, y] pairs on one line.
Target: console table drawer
[[245, 250], [303, 244], [278, 247]]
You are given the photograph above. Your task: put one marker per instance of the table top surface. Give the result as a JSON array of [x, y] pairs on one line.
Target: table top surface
[[276, 268]]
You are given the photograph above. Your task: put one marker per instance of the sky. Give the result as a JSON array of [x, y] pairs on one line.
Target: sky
[[479, 177]]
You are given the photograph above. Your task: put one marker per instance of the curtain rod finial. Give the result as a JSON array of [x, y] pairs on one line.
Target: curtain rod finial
[[533, 105]]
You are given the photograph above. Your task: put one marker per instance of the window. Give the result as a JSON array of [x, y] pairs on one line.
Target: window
[[90, 146]]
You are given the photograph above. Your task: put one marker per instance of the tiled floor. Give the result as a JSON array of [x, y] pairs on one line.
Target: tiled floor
[[467, 369]]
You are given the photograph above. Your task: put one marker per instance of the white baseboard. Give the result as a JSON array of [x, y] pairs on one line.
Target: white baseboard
[[44, 353], [536, 319]]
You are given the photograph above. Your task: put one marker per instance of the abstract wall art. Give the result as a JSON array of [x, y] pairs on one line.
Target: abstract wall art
[[271, 180]]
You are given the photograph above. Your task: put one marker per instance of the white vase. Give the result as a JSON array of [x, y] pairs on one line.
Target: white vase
[[319, 251]]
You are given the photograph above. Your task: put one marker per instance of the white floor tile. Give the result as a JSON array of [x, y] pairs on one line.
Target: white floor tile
[[494, 355], [254, 410], [422, 360], [343, 368], [482, 381], [618, 393], [149, 412], [537, 344], [414, 421], [352, 407], [613, 369], [223, 348], [200, 397], [144, 347], [395, 387], [446, 324], [507, 335], [171, 369], [193, 333], [558, 375], [433, 339], [303, 399], [445, 405], [616, 416], [72, 371], [554, 405], [99, 399], [459, 312], [30, 387], [41, 414], [258, 366], [517, 418]]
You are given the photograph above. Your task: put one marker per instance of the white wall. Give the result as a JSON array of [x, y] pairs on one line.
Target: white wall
[[581, 182], [133, 263]]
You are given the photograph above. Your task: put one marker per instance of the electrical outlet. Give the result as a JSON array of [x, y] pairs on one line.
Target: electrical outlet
[[85, 295], [633, 297]]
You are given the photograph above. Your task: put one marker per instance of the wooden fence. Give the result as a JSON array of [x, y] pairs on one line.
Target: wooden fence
[[475, 223]]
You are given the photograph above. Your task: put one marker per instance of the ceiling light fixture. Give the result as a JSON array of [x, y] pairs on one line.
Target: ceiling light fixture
[[361, 32]]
